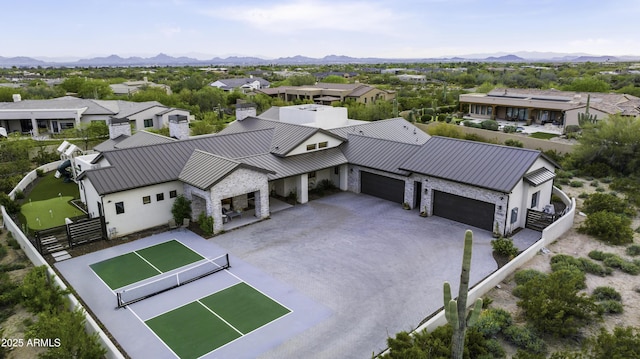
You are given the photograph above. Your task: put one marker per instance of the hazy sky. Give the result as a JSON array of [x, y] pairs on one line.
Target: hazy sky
[[315, 28]]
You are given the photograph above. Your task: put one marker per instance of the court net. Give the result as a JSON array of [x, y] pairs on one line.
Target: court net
[[160, 285]]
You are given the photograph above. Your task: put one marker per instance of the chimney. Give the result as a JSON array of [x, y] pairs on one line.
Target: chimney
[[17, 97], [179, 126], [119, 127], [244, 110]]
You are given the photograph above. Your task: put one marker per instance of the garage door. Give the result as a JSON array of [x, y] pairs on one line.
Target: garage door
[[381, 186], [464, 210]]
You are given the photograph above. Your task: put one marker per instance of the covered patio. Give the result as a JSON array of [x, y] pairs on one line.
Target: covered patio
[[249, 216]]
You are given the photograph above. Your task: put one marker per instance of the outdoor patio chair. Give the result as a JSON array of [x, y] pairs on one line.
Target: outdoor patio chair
[[185, 223], [172, 224]]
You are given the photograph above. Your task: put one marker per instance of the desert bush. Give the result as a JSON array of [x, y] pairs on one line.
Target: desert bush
[[469, 123], [595, 183], [583, 195], [525, 338], [3, 251], [564, 174], [181, 209], [490, 125], [633, 250], [597, 169], [205, 223], [504, 247], [606, 293], [600, 189], [613, 261], [513, 143], [525, 275], [509, 129], [576, 184], [608, 227], [12, 207], [563, 261], [610, 306], [19, 194], [630, 268], [606, 202], [572, 129], [39, 172], [562, 180], [493, 321], [39, 293]]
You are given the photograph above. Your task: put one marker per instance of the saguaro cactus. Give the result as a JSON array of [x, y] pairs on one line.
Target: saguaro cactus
[[456, 310], [586, 117]]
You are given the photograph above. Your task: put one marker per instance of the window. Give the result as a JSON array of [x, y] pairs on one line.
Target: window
[[66, 125], [534, 199], [119, 207], [148, 122], [173, 194], [336, 170], [311, 147], [160, 197], [323, 144], [312, 174], [146, 199]]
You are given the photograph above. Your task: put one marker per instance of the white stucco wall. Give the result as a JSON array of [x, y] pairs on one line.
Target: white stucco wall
[[90, 197], [315, 139], [138, 216]]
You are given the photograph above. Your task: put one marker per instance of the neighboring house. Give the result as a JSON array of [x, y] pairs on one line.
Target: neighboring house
[[297, 148], [330, 93], [560, 108], [245, 85], [55, 115], [131, 87], [412, 78]]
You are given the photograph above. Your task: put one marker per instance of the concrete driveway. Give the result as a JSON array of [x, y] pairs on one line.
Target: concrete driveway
[[377, 267]]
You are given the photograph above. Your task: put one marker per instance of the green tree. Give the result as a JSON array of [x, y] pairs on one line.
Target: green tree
[[612, 228], [335, 79], [95, 89], [181, 209], [614, 141], [588, 84]]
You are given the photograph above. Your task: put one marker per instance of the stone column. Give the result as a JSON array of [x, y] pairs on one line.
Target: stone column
[[303, 188], [344, 177], [34, 125]]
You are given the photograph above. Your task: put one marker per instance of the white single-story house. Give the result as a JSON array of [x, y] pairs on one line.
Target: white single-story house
[[55, 115], [134, 179], [245, 85]]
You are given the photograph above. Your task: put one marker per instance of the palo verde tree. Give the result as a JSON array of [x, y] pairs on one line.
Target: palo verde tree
[[456, 310]]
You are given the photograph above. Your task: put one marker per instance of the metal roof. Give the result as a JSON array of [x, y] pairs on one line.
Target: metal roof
[[394, 129], [539, 176], [286, 136], [283, 167], [479, 164], [382, 154], [203, 169]]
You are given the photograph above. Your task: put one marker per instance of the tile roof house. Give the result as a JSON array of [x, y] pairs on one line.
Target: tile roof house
[[560, 108], [292, 151], [131, 87], [55, 115], [330, 93]]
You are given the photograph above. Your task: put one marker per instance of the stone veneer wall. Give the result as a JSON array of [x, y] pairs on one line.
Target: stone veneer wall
[[179, 127], [353, 181], [117, 129]]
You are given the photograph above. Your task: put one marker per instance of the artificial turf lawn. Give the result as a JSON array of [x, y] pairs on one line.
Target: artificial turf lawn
[[244, 307], [123, 270], [38, 216], [169, 255], [543, 135], [192, 330], [49, 193]]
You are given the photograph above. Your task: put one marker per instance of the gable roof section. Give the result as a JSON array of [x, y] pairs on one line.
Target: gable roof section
[[539, 176], [203, 170], [394, 129], [158, 163], [489, 166], [286, 136], [138, 139], [377, 153], [294, 165]]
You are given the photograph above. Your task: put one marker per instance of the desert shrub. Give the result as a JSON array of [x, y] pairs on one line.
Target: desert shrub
[[39, 293], [39, 172], [564, 174], [592, 267], [474, 137], [513, 143], [608, 227], [594, 183], [490, 125], [525, 338], [19, 194], [561, 180], [504, 247], [606, 293], [493, 321], [509, 129], [12, 242], [613, 261], [572, 128], [607, 179], [469, 123], [525, 275], [610, 306], [576, 184], [12, 207], [563, 261], [596, 169], [600, 189], [621, 343], [583, 195], [437, 344], [606, 202], [598, 255], [3, 251], [554, 304], [630, 268], [205, 223], [633, 250]]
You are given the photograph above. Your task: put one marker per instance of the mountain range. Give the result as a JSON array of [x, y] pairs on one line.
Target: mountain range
[[166, 60]]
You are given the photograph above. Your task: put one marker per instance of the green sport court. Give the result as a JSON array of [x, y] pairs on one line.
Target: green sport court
[[209, 323], [141, 264]]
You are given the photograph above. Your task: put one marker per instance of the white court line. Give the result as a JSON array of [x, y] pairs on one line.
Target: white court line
[[149, 263], [219, 317], [152, 332]]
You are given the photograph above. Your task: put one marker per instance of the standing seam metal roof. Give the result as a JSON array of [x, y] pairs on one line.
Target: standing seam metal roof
[[489, 166], [378, 153]]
